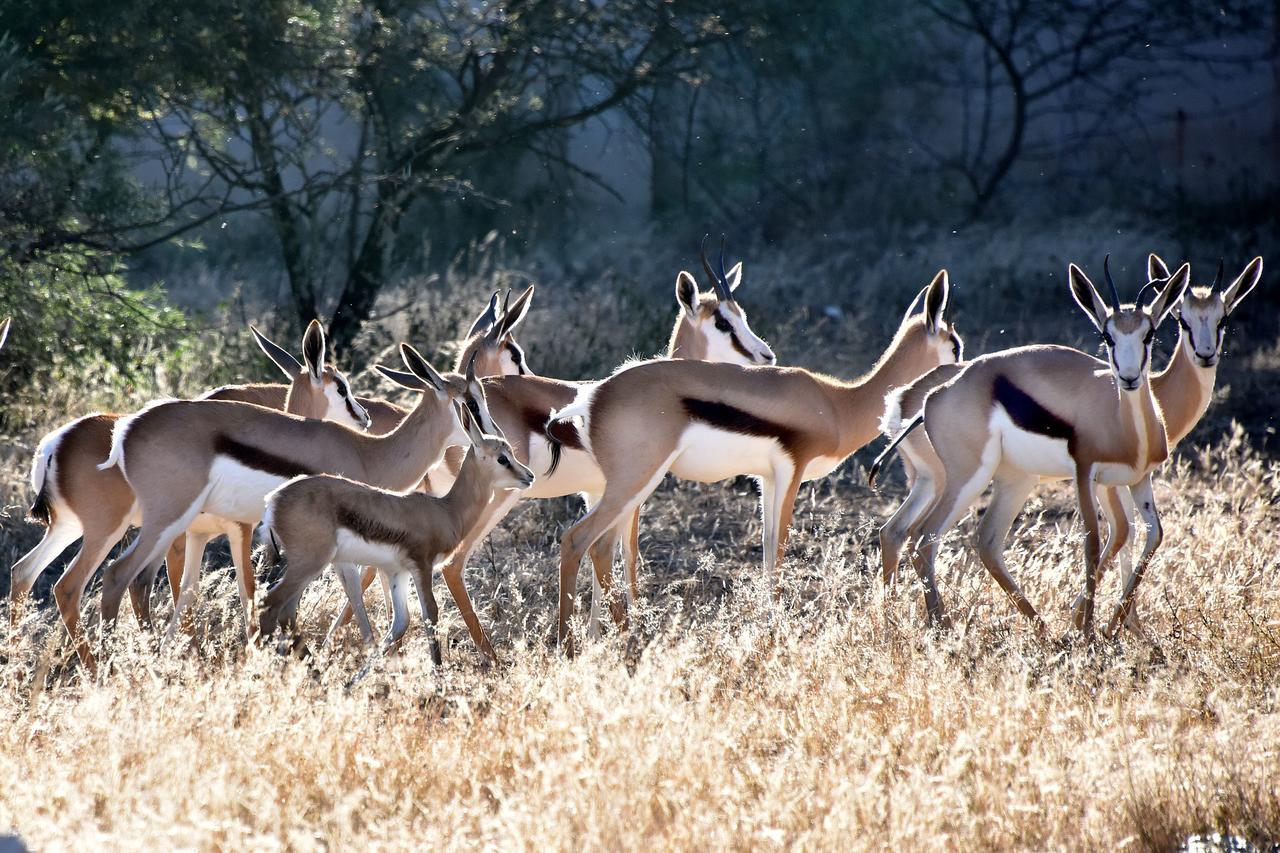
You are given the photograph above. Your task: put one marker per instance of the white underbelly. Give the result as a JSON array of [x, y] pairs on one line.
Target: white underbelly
[[708, 455], [238, 492], [1117, 474], [822, 466], [356, 549], [1031, 452], [210, 524], [577, 472]]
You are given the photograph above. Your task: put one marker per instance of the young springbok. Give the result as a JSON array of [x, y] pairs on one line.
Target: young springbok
[[1182, 392], [75, 498], [708, 422], [709, 325], [325, 519], [1013, 417], [186, 457]]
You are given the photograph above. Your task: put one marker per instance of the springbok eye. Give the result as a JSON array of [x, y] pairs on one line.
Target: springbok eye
[[722, 324], [515, 355], [504, 461], [1147, 338], [1108, 340]]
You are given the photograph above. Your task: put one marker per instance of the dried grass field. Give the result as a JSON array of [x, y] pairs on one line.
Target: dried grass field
[[837, 722], [833, 720]]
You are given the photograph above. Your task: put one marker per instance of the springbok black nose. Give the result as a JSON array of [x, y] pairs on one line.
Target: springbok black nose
[[767, 357]]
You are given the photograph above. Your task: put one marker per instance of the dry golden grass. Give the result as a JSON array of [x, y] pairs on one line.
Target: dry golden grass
[[840, 722]]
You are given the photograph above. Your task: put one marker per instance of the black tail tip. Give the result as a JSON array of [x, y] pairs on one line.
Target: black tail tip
[[41, 511]]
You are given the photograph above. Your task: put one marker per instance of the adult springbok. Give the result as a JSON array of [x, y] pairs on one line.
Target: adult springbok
[[1013, 417], [325, 519], [76, 499], [1182, 392], [708, 422], [710, 325], [185, 457]]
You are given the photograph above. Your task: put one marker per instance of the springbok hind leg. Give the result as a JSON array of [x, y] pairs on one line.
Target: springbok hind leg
[[1007, 499]]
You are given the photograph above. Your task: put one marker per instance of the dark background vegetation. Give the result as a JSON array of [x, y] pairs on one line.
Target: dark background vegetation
[[168, 171]]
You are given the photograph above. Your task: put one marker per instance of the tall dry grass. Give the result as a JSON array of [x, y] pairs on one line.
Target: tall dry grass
[[836, 721]]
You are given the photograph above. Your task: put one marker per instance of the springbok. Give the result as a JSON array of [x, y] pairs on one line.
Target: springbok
[[1182, 392], [325, 519], [708, 422], [1013, 417], [709, 325], [222, 458], [75, 498]]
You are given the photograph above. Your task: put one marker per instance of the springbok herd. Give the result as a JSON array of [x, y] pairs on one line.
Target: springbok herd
[[348, 481]]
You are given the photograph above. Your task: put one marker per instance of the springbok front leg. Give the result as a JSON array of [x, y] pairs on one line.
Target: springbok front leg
[[1092, 543], [1144, 497]]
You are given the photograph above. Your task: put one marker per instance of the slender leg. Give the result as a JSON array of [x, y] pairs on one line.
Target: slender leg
[[1117, 509], [456, 566], [240, 537], [769, 528], [1092, 543], [69, 589], [190, 581], [174, 565], [893, 535], [631, 556], [344, 616], [1146, 504], [430, 611], [22, 578], [784, 503], [622, 496], [397, 582], [353, 585], [1009, 493]]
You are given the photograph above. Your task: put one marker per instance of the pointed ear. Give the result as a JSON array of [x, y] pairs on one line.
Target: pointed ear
[[516, 313], [313, 347], [403, 378], [936, 297], [4, 329], [474, 433], [735, 276], [486, 318], [1086, 296], [1244, 283], [421, 369], [1169, 296], [1156, 268], [283, 358], [687, 294]]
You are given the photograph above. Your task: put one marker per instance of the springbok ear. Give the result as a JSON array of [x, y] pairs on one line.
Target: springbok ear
[[313, 349], [1169, 296], [687, 294], [468, 421], [4, 329], [403, 378], [515, 315], [282, 358], [935, 300], [421, 369], [1238, 290], [735, 276], [1086, 296], [1156, 268], [487, 317]]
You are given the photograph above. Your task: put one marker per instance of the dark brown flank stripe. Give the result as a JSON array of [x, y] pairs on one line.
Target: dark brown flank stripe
[[259, 460], [731, 419], [1028, 414], [369, 529]]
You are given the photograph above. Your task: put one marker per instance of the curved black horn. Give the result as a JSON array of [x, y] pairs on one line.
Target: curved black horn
[[722, 281], [706, 265], [1218, 278], [1154, 284], [1115, 294]]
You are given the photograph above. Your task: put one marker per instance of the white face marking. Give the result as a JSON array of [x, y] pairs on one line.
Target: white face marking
[[1203, 325], [1130, 352], [720, 341], [338, 411]]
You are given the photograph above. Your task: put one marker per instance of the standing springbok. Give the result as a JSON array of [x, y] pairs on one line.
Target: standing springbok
[[1013, 417], [1182, 392], [709, 325], [708, 422], [325, 519], [75, 498], [186, 457]]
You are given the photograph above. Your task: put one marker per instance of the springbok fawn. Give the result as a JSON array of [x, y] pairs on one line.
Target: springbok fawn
[[709, 325], [708, 422], [222, 458], [1013, 417], [75, 498], [325, 519]]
